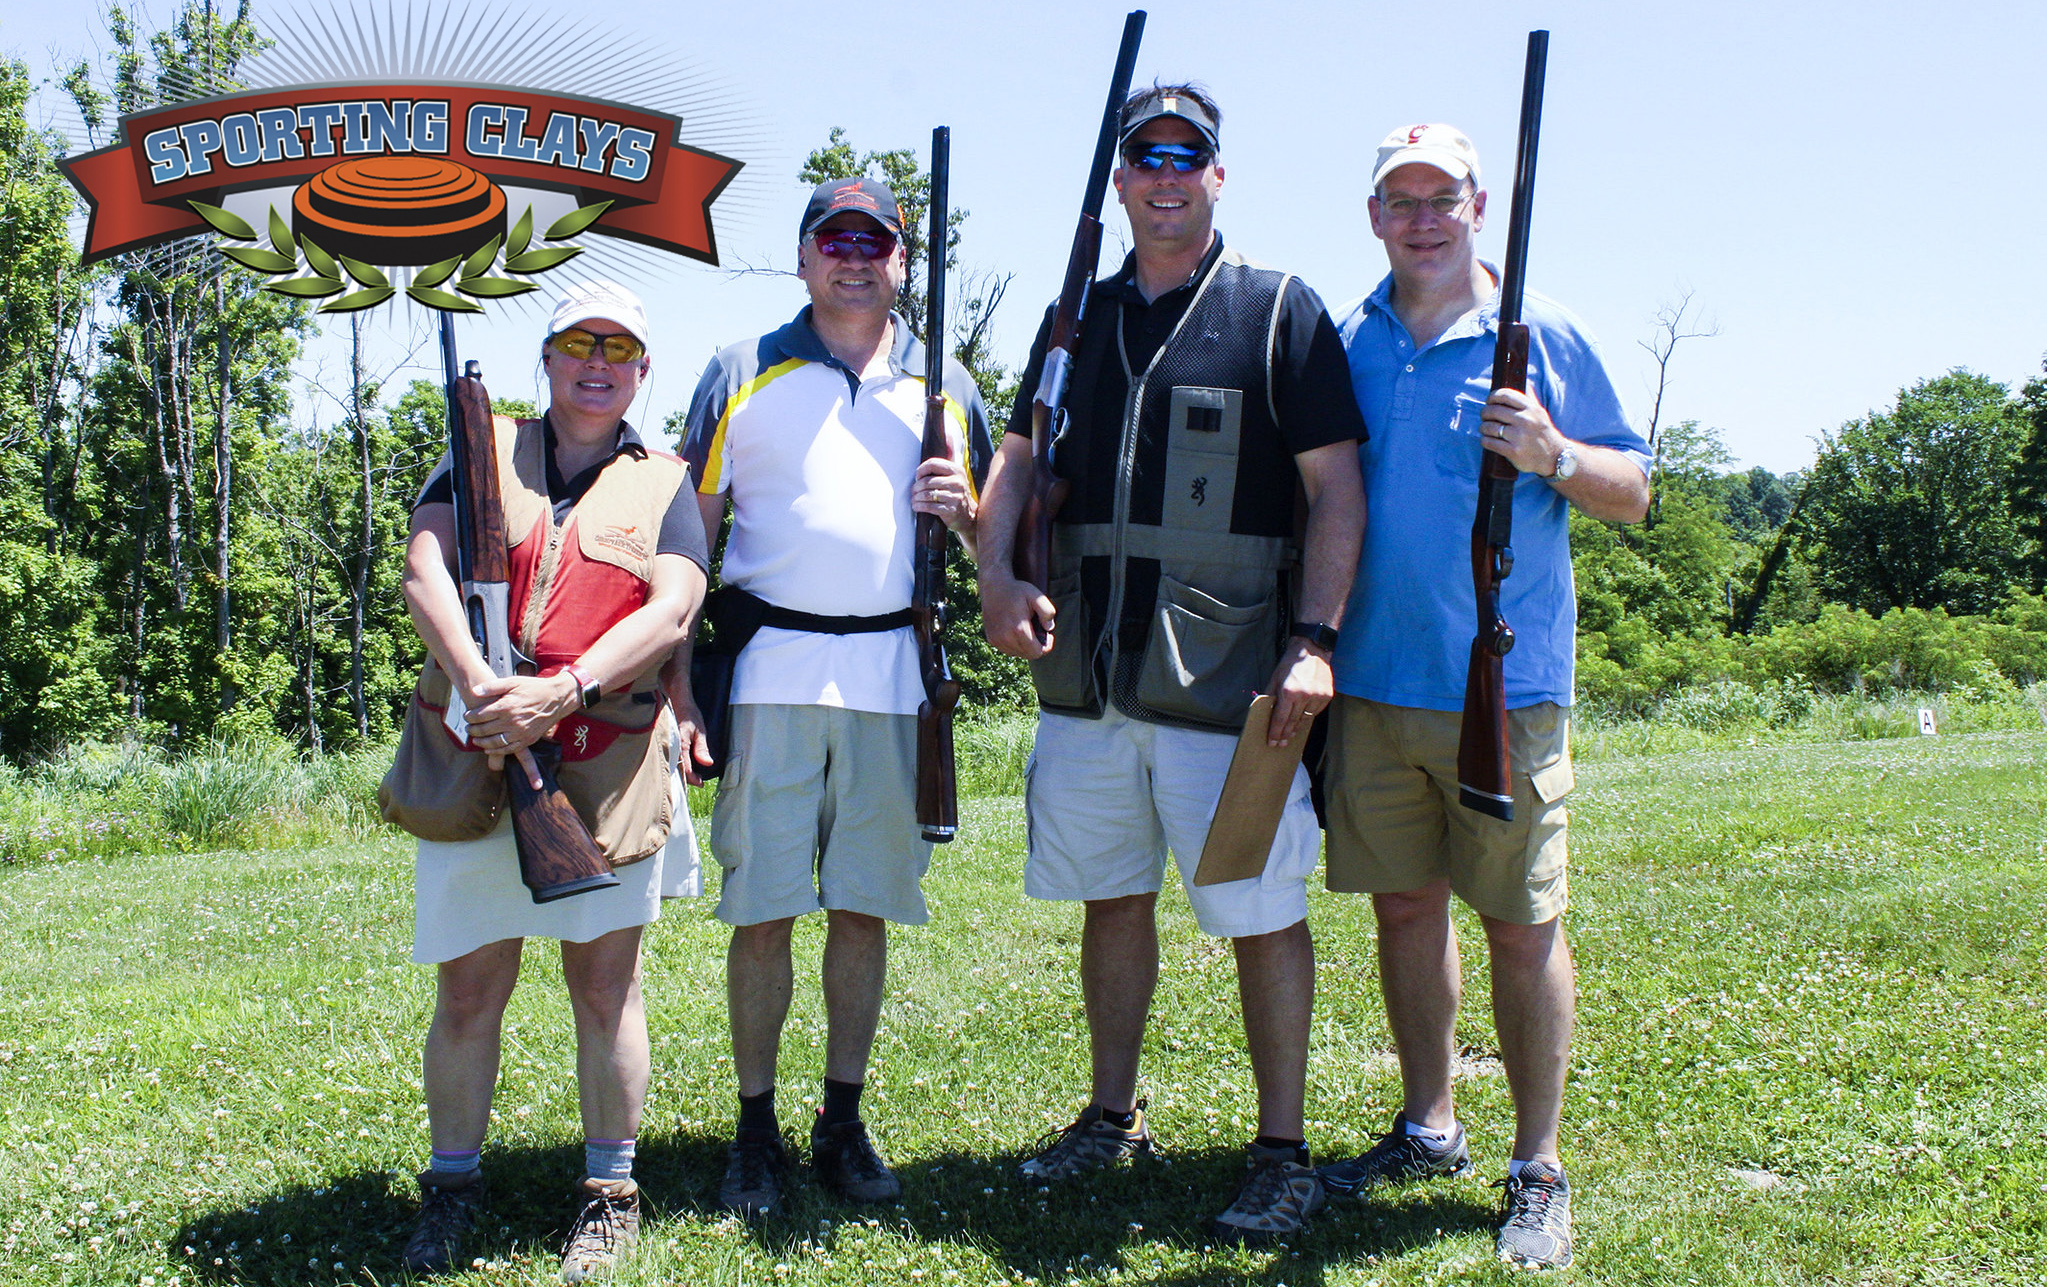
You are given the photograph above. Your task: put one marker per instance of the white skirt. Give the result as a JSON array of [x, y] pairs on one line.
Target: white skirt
[[468, 893]]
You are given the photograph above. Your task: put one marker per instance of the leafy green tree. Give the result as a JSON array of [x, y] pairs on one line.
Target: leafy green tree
[[2029, 482], [1914, 507]]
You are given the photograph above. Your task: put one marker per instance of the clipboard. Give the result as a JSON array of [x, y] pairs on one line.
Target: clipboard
[[1254, 796]]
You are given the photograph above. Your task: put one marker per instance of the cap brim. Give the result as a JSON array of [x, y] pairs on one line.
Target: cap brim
[[1438, 158]]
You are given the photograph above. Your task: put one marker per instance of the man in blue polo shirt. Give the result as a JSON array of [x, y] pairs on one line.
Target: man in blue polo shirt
[[1420, 348]]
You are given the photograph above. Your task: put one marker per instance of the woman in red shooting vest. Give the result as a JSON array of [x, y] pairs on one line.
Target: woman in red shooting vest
[[607, 555]]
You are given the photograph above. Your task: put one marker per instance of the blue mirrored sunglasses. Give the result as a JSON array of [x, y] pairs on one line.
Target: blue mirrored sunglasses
[[1155, 156]]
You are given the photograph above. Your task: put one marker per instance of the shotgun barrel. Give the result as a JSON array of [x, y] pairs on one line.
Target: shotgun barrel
[[937, 776], [1484, 774]]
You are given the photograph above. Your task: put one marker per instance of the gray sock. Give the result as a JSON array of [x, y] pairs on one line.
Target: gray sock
[[608, 1159]]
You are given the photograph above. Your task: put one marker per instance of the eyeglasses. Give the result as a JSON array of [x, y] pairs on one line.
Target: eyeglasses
[[1408, 207], [1155, 156], [848, 243], [580, 344]]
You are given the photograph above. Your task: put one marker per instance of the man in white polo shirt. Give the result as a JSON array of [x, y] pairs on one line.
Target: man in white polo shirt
[[814, 432]]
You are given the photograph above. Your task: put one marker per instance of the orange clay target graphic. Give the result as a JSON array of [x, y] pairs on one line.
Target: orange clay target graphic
[[406, 211]]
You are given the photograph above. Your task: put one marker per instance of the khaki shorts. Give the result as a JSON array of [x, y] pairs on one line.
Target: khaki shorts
[[1107, 797], [1395, 824], [818, 809]]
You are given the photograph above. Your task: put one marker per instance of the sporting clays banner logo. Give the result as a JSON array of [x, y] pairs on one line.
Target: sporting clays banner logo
[[361, 178]]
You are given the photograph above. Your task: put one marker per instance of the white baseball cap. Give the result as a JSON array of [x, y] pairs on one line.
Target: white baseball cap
[[1443, 146], [600, 299]]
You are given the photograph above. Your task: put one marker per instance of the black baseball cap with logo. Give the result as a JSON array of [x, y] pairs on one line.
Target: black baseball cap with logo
[[1164, 102], [863, 195]]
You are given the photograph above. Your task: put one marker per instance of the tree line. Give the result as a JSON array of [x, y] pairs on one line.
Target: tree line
[[181, 561]]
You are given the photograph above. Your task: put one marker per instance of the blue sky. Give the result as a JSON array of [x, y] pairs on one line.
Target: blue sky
[[1852, 193]]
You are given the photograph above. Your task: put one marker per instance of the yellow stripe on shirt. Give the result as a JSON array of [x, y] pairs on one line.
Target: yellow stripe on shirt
[[714, 458]]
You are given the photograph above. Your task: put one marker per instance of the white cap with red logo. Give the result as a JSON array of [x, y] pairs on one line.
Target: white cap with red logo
[[1442, 146]]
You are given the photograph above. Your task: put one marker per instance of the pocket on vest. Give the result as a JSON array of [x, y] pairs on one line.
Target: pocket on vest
[[1206, 657], [1065, 676], [438, 789], [617, 777]]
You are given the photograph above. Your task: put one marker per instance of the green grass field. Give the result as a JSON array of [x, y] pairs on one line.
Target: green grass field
[[1812, 1050]]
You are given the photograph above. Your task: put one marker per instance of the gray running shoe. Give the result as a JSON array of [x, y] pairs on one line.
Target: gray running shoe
[[608, 1224], [1276, 1200], [1397, 1158], [1535, 1230], [1088, 1144], [753, 1173], [447, 1213], [845, 1163]]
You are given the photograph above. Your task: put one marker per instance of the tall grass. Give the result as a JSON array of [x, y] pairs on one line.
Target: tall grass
[[95, 799]]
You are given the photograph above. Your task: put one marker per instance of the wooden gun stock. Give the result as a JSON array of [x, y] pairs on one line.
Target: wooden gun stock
[[937, 775], [1484, 780], [557, 857], [1484, 775]]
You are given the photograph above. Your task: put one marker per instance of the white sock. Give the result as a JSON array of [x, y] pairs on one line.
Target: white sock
[[1514, 1167], [1427, 1135]]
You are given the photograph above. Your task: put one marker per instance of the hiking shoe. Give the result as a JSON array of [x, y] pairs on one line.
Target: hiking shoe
[[844, 1161], [1088, 1144], [1276, 1200], [753, 1172], [608, 1224], [1535, 1230], [1399, 1157], [447, 1213]]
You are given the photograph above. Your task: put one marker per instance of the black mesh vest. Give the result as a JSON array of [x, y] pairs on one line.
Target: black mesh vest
[[1156, 535]]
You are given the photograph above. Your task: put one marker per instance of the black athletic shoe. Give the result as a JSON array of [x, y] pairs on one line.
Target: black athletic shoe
[[754, 1163], [844, 1161], [1535, 1229], [1397, 1158]]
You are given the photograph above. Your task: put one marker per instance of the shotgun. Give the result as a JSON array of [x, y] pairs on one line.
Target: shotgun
[[937, 777], [557, 857], [1048, 405], [1484, 779]]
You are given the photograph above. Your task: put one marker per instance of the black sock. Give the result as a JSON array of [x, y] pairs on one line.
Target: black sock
[[841, 1102], [1300, 1147], [757, 1112], [1121, 1121]]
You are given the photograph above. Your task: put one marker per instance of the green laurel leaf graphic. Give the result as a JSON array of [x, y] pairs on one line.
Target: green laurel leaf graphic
[[263, 261], [319, 260], [280, 235], [359, 299], [307, 287], [224, 223], [522, 234], [539, 261], [435, 274], [575, 221], [494, 287], [442, 300], [364, 274], [480, 262]]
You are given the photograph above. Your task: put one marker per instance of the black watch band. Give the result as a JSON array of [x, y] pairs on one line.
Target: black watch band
[[1319, 633]]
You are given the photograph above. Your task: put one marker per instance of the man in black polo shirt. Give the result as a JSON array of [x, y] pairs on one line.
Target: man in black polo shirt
[[1205, 392]]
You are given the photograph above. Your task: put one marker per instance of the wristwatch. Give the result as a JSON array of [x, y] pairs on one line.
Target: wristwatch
[[587, 689], [1319, 633], [1567, 463]]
